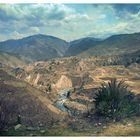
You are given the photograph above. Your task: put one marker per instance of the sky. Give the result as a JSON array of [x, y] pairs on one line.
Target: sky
[[68, 21]]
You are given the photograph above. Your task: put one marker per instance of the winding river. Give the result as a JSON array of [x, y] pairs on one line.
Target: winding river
[[63, 97]]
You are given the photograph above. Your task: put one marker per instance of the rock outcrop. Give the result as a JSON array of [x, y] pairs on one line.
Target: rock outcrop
[[63, 83]]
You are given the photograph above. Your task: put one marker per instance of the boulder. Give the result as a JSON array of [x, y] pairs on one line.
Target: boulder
[[42, 131], [19, 127]]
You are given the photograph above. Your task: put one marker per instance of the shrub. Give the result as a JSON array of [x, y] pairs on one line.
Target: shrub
[[49, 87], [18, 119], [115, 101]]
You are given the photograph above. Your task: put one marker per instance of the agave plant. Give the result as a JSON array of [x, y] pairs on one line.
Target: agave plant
[[114, 100]]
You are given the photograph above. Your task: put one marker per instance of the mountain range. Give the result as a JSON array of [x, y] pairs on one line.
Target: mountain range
[[43, 47]]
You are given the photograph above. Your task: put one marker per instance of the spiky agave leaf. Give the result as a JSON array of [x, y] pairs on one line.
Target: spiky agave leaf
[[112, 99]]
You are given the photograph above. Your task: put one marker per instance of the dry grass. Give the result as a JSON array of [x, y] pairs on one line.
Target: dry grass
[[34, 107], [121, 130]]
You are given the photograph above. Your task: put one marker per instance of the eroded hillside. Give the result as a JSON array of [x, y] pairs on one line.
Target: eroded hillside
[[19, 98], [81, 77], [60, 92]]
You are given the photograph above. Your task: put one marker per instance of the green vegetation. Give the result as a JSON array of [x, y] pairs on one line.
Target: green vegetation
[[49, 88], [18, 119], [115, 101]]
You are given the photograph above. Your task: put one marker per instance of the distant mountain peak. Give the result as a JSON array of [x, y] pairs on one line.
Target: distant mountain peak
[[36, 47]]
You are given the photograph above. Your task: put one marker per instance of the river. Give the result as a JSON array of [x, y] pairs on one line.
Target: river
[[63, 97]]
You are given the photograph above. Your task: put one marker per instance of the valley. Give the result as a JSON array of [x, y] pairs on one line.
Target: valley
[[53, 90]]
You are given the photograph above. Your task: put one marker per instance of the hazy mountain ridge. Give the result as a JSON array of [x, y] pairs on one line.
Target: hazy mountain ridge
[[43, 47], [81, 45], [36, 47], [115, 45]]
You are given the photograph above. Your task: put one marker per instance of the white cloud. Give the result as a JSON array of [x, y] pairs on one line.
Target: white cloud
[[65, 21], [35, 29]]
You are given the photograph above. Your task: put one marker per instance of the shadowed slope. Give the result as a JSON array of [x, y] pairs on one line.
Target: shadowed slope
[[19, 98]]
